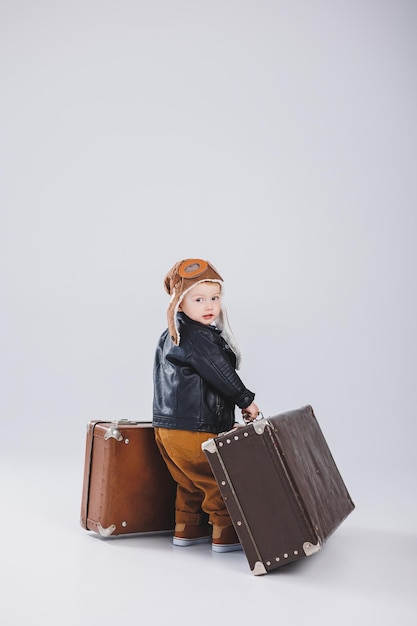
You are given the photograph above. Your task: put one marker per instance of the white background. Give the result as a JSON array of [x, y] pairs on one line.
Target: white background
[[276, 139]]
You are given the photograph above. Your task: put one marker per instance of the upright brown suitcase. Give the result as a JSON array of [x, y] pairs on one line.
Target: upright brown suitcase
[[127, 487], [281, 486]]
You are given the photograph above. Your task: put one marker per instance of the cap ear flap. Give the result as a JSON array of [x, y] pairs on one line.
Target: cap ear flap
[[171, 279], [167, 284]]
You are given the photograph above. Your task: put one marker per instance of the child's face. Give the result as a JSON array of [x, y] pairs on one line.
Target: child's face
[[202, 303]]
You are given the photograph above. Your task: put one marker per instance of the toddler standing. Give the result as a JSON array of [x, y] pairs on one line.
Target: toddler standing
[[196, 390]]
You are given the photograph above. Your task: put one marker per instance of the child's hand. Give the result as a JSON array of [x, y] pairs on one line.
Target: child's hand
[[250, 413]]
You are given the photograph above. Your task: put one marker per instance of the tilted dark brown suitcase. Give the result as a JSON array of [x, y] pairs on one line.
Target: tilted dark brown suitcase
[[126, 487], [281, 486]]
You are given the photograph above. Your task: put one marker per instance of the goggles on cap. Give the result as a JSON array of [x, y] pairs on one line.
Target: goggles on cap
[[192, 268]]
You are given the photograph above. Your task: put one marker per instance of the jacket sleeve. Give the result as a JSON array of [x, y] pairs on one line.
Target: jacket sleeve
[[212, 363]]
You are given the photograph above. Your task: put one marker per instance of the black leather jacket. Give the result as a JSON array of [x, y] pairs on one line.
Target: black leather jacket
[[196, 386]]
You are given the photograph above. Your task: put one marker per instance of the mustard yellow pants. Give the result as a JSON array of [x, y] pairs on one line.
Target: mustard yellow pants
[[197, 489]]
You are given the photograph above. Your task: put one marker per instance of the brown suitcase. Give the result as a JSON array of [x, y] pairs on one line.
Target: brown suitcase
[[281, 486], [127, 487]]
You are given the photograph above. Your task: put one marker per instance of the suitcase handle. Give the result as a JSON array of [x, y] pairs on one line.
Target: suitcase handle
[[247, 421]]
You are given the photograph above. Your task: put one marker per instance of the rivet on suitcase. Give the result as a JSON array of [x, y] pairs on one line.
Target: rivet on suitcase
[[281, 486], [127, 487]]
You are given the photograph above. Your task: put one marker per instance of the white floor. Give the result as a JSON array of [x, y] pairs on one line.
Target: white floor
[[55, 572]]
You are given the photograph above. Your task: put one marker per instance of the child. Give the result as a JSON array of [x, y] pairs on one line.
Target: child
[[196, 389]]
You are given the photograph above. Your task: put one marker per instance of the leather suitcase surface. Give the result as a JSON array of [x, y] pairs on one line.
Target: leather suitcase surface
[[281, 486], [126, 487]]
